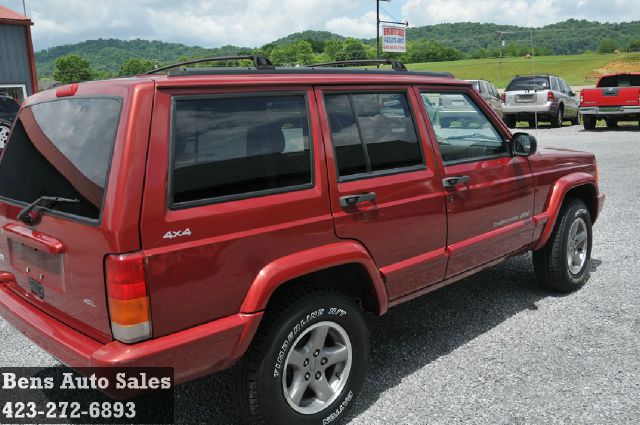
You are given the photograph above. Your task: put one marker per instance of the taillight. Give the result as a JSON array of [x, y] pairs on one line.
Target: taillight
[[504, 97], [128, 297], [550, 96], [581, 98]]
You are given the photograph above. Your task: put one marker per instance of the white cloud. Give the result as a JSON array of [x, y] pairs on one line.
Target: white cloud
[[211, 23], [518, 12], [361, 27]]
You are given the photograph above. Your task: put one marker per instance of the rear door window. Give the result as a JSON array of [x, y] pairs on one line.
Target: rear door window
[[62, 148], [231, 147], [372, 133]]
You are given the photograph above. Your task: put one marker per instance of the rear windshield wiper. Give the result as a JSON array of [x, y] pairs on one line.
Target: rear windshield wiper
[[28, 215]]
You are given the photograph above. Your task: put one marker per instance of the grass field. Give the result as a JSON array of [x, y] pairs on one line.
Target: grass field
[[577, 70]]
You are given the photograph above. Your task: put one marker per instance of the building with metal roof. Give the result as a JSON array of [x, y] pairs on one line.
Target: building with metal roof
[[18, 76]]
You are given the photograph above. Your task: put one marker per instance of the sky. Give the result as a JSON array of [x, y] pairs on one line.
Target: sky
[[252, 23]]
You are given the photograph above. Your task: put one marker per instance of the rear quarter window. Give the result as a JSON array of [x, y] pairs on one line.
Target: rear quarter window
[[62, 148], [236, 147]]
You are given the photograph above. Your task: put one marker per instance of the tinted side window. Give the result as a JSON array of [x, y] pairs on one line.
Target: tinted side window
[[230, 146], [463, 131], [372, 132]]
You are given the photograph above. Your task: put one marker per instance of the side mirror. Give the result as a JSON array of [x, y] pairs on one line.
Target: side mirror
[[523, 144], [572, 94]]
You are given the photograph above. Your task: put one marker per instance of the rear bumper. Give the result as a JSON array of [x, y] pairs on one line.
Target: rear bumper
[[610, 110], [548, 108], [192, 353]]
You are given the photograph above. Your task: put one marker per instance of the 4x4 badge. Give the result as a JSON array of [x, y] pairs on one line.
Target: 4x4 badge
[[177, 234]]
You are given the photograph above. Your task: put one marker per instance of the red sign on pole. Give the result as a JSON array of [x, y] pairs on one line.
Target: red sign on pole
[[394, 39]]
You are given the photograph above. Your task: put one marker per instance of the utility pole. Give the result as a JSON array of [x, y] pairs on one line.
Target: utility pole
[[501, 35], [378, 22], [377, 29]]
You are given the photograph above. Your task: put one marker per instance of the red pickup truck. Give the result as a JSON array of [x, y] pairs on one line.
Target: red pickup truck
[[255, 215], [616, 98]]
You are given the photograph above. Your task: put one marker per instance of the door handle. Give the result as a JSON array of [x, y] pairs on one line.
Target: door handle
[[452, 182], [353, 200]]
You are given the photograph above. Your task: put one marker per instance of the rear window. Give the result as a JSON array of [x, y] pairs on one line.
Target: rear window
[[371, 133], [528, 83], [62, 148], [620, 81], [237, 147]]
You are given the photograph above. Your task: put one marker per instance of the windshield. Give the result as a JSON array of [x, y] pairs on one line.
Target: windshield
[[528, 83], [61, 148]]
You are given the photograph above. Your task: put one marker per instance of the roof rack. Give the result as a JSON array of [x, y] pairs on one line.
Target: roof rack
[[395, 64], [260, 62]]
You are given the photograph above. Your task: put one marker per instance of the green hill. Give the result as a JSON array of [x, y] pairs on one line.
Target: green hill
[[464, 40], [578, 70]]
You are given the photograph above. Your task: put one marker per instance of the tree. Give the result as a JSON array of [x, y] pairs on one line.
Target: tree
[[607, 45], [634, 46], [296, 53], [72, 69], [352, 49], [135, 66]]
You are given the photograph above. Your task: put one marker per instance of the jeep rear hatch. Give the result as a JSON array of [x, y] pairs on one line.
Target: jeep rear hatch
[[60, 148]]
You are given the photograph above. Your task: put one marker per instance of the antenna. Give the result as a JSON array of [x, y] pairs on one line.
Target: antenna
[[533, 71]]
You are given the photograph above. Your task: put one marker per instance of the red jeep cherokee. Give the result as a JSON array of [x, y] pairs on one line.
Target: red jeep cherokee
[[207, 216]]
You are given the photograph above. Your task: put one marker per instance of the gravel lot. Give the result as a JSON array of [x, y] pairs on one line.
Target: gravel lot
[[493, 348]]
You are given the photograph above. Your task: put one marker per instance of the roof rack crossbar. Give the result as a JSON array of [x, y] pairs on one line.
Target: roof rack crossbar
[[395, 64], [260, 62]]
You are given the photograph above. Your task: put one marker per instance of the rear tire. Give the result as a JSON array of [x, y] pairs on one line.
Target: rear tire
[[563, 263], [558, 119], [611, 123], [5, 129], [589, 122], [532, 122], [307, 361], [510, 121]]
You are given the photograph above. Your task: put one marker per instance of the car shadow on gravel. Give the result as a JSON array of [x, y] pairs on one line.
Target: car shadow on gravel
[[406, 339]]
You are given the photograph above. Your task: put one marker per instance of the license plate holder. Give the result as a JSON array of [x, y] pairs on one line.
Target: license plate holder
[[36, 288]]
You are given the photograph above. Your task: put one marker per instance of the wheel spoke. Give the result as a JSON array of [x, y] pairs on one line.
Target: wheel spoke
[[298, 387], [581, 237], [335, 354], [322, 389], [297, 357], [318, 338], [576, 260], [573, 231]]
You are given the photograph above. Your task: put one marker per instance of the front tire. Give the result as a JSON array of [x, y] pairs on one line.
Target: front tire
[[563, 263], [510, 121], [307, 362]]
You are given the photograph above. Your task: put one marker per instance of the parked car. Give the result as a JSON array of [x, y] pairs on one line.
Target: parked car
[[489, 93], [213, 216], [615, 98], [541, 97], [8, 111]]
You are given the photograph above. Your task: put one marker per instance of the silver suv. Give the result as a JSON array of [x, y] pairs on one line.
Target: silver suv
[[541, 97], [489, 92]]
